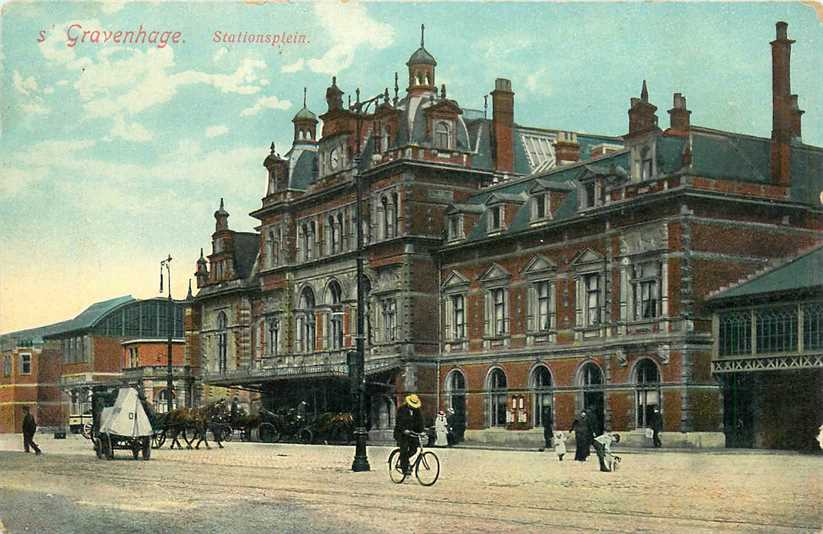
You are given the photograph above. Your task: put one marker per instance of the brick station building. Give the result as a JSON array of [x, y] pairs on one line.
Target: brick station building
[[509, 268]]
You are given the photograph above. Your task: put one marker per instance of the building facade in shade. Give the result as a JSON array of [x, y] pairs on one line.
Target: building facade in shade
[[768, 354], [509, 269]]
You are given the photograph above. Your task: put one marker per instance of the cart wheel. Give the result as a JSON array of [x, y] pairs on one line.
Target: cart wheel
[[228, 431], [146, 448], [268, 433], [306, 436], [158, 439], [85, 430]]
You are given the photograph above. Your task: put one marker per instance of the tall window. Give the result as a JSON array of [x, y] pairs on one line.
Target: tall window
[[222, 342], [813, 326], [441, 135], [341, 235], [498, 391], [134, 357], [335, 335], [274, 249], [495, 218], [544, 308], [7, 366], [735, 333], [647, 381], [539, 206], [305, 241], [389, 310], [776, 329], [274, 336], [592, 302], [645, 164], [592, 397], [333, 237], [497, 321], [542, 392], [458, 316], [456, 391], [645, 289], [161, 401], [395, 214], [306, 321], [454, 227]]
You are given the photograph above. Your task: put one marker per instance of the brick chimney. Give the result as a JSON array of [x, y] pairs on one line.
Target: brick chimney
[[642, 117], [566, 148], [785, 112], [503, 125], [679, 114]]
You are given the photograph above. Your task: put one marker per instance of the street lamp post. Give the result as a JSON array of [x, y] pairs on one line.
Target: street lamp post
[[361, 459], [170, 327]]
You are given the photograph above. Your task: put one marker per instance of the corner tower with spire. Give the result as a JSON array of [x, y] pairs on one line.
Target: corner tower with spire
[[421, 66]]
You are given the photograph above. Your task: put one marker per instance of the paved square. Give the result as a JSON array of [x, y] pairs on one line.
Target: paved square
[[252, 487]]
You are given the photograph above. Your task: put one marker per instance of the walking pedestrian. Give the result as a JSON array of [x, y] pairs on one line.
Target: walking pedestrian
[[441, 430], [656, 422], [603, 447], [451, 437], [409, 419], [583, 436], [559, 445], [29, 428], [548, 426]]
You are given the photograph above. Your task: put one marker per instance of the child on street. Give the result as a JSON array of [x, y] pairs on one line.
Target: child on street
[[559, 445]]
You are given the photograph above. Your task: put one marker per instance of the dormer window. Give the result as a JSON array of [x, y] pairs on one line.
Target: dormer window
[[588, 195], [645, 164], [442, 135], [540, 206], [495, 218], [455, 227]]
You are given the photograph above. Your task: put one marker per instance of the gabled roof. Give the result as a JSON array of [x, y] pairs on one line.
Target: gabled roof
[[799, 273], [246, 245]]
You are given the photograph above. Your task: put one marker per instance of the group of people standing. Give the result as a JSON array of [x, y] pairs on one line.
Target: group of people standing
[[585, 428]]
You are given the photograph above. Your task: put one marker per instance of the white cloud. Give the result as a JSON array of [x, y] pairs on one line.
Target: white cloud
[[350, 27], [219, 54], [293, 67], [111, 7], [266, 102], [216, 131], [31, 102], [132, 131]]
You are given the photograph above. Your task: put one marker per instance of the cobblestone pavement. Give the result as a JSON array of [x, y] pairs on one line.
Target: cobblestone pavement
[[253, 487]]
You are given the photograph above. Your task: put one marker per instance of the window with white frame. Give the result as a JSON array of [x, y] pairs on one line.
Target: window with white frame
[[589, 293], [306, 326], [540, 206], [274, 247], [335, 333], [222, 342], [455, 227], [442, 135], [458, 316], [541, 306], [645, 286], [647, 383], [541, 382], [496, 311], [646, 164], [495, 218]]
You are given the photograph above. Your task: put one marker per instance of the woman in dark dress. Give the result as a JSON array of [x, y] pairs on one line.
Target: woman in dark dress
[[583, 436]]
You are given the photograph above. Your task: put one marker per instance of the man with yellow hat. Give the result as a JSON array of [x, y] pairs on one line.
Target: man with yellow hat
[[409, 419]]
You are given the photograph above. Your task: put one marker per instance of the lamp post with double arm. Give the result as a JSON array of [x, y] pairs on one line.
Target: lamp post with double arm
[[358, 370]]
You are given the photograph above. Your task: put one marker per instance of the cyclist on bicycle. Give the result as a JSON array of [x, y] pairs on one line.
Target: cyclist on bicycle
[[409, 419]]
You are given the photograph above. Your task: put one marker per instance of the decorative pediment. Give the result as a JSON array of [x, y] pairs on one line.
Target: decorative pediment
[[540, 185], [455, 280], [644, 239], [444, 106], [505, 198], [495, 273], [539, 265], [587, 256]]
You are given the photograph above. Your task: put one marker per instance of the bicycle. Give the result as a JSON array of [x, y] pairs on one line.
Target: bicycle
[[426, 465]]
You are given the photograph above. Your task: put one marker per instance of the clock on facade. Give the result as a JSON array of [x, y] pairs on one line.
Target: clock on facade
[[335, 158]]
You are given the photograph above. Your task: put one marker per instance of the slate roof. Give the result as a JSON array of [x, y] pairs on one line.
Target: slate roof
[[421, 56], [86, 319], [246, 245], [803, 272]]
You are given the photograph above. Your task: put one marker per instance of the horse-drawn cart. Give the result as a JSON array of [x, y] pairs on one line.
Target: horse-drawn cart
[[123, 426]]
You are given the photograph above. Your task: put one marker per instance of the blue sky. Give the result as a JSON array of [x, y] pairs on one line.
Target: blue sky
[[114, 156]]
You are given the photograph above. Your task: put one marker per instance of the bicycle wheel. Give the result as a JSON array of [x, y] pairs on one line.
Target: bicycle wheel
[[427, 468], [396, 473]]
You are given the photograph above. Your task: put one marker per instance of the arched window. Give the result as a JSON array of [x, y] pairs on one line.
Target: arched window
[[306, 321], [334, 237], [395, 214], [647, 384], [274, 248], [456, 400], [222, 342], [341, 236], [590, 380], [312, 241], [306, 242], [498, 390], [541, 382], [335, 333], [386, 139], [441, 135]]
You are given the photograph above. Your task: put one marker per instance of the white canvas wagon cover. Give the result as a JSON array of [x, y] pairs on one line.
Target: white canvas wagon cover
[[127, 417]]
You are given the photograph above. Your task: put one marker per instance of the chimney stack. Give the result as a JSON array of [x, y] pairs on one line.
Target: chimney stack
[[503, 125], [785, 111], [642, 117], [566, 148], [679, 114]]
